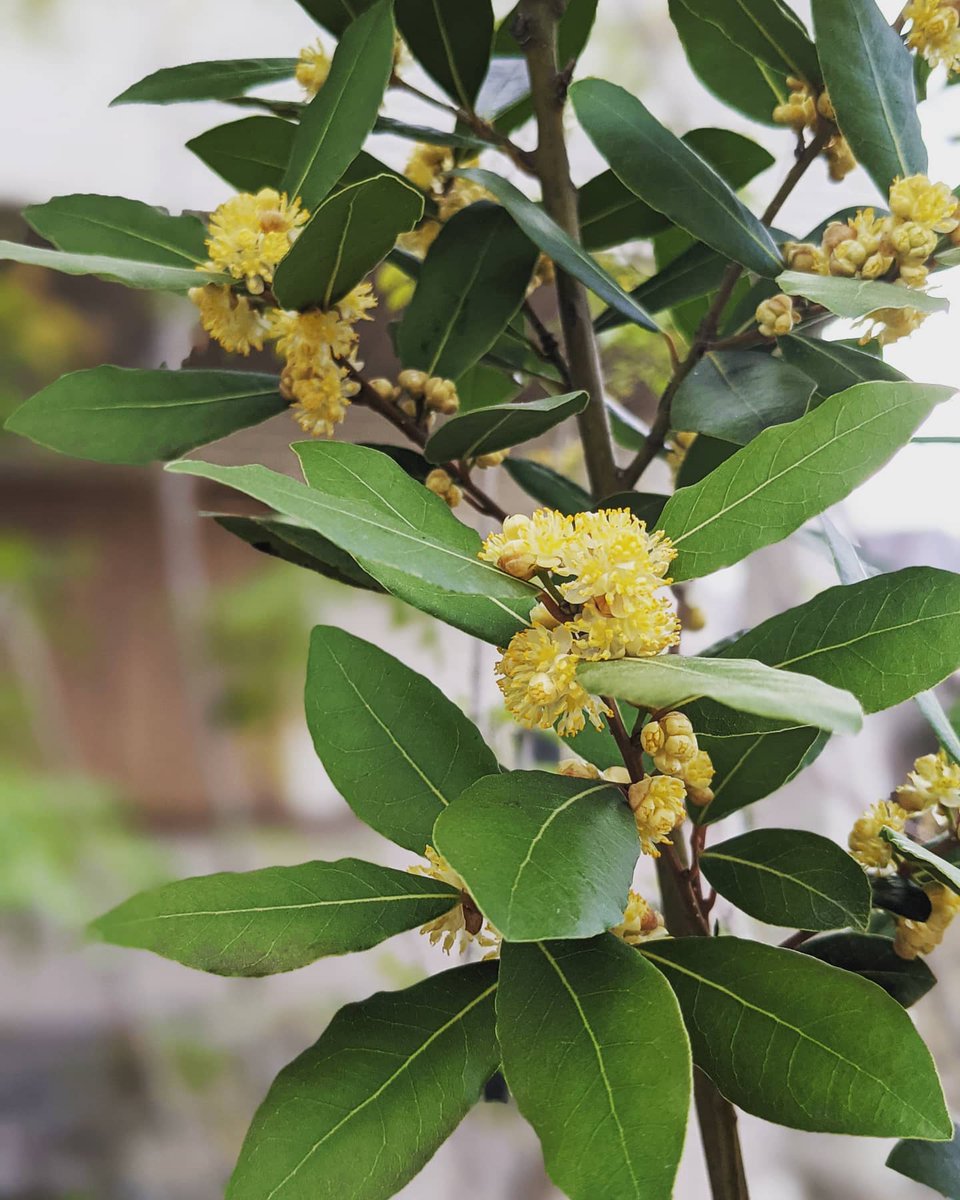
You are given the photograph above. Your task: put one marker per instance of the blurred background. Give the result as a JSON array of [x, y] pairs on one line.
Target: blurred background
[[151, 666]]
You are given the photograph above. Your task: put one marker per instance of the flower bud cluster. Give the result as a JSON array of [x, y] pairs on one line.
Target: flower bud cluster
[[441, 484], [420, 395], [933, 30], [914, 938], [803, 109], [672, 744]]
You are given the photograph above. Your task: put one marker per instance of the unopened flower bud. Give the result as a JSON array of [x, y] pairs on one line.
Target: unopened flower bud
[[618, 775], [776, 317], [491, 460], [441, 396], [413, 382], [384, 388], [440, 483], [573, 768], [806, 257], [407, 405]]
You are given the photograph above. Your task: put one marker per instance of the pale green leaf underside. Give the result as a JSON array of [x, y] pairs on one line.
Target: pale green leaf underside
[[906, 848], [152, 276], [854, 298]]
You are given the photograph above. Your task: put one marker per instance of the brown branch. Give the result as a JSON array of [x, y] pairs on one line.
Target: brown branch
[[797, 939], [549, 347]]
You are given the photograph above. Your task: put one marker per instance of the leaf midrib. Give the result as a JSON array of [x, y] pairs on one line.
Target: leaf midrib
[[271, 908], [717, 856]]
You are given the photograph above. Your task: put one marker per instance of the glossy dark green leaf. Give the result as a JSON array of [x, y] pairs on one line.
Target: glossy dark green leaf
[[348, 235], [869, 74], [935, 1165], [705, 455], [543, 856], [249, 154], [395, 747], [767, 30], [919, 856], [472, 284], [785, 1037], [902, 896], [483, 386], [792, 472], [873, 957], [369, 1103], [854, 298], [672, 680], [451, 41], [791, 878], [733, 75], [692, 275], [119, 228], [218, 80], [735, 394], [275, 919], [146, 274], [646, 505], [547, 235], [501, 426], [834, 367], [611, 1110], [335, 15], [457, 139], [671, 177], [548, 486], [335, 123], [120, 415]]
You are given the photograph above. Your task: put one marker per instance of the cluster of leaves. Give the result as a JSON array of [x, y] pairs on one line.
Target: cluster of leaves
[[817, 1040]]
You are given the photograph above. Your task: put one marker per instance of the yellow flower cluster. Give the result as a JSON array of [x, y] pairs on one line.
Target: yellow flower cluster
[[658, 807], [672, 744], [313, 68], [804, 110], [866, 844], [934, 780], [420, 395], [914, 938], [464, 923], [602, 572], [640, 923], [248, 237], [429, 169], [934, 31], [895, 248], [441, 484]]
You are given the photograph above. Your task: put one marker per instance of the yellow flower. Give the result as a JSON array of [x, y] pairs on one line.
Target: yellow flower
[[313, 68], [649, 627], [889, 325], [464, 923], [866, 844], [611, 555], [806, 257], [321, 395], [575, 768], [932, 205], [428, 165], [249, 235], [776, 317], [357, 303], [921, 937], [658, 808], [640, 922], [935, 779], [670, 742], [935, 31], [538, 681], [230, 319], [528, 544]]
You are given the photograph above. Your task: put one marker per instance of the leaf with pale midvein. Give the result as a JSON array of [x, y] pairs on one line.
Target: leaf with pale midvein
[[221, 79], [451, 41], [500, 426], [119, 228], [801, 1043], [932, 864], [672, 680], [792, 472], [834, 367], [362, 1111], [544, 856], [869, 74], [275, 919], [436, 549], [136, 273], [398, 750], [547, 235], [935, 1166], [336, 122], [669, 176], [791, 878], [767, 30], [346, 237], [873, 957], [855, 298], [123, 415], [611, 1110], [249, 154]]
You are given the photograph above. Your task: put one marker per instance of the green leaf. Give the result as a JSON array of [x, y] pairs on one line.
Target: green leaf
[[854, 298], [790, 878], [792, 472], [119, 228], [733, 76], [800, 1043], [335, 15], [501, 426], [548, 486], [457, 139], [646, 505], [302, 547], [691, 275], [219, 80], [913, 852], [451, 41], [935, 1166], [483, 386], [369, 1103], [869, 74], [414, 532], [395, 747], [736, 394], [547, 235], [335, 123], [671, 177], [834, 367], [542, 855], [249, 154], [349, 234], [907, 981], [611, 1109], [276, 919], [672, 680], [767, 30], [146, 274], [119, 415], [472, 284]]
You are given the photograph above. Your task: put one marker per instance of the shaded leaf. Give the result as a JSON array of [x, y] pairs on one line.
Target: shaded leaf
[[221, 79], [899, 895], [932, 864], [249, 154], [935, 1166], [335, 15], [501, 426], [451, 41], [119, 228], [647, 506], [147, 274], [548, 486], [834, 367], [907, 981], [767, 30]]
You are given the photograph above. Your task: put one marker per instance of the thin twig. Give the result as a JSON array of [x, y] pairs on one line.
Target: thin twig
[[548, 348]]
